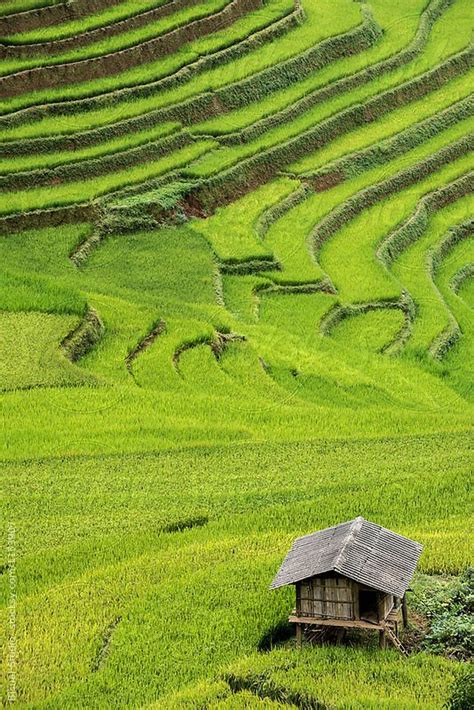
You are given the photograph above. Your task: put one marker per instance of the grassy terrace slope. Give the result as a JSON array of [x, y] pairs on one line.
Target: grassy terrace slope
[[236, 306]]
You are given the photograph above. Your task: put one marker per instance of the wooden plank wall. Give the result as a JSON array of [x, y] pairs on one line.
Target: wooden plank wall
[[385, 605], [325, 598]]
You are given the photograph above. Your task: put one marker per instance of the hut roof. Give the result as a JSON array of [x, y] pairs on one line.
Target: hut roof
[[363, 551]]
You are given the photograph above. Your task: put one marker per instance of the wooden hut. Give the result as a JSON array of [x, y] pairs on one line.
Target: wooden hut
[[352, 575]]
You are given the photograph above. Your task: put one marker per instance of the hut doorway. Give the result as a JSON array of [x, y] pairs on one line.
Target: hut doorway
[[368, 604]]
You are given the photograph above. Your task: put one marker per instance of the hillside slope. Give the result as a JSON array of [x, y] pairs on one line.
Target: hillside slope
[[236, 306]]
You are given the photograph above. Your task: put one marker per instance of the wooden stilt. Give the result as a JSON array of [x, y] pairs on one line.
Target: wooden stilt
[[382, 639], [299, 635], [404, 611]]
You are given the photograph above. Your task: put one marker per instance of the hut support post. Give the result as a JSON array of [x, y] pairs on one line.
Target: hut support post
[[382, 639], [299, 635], [404, 611]]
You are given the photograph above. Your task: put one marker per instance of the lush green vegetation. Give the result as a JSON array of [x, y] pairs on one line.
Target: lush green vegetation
[[236, 306], [114, 13], [53, 159], [118, 42], [11, 6], [152, 71]]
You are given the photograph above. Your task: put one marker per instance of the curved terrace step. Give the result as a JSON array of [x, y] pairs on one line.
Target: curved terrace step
[[15, 50], [260, 35], [51, 15], [106, 65]]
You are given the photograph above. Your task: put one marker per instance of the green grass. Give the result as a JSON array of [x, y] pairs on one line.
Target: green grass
[[371, 330], [96, 567], [387, 126], [350, 253], [459, 358], [232, 230], [264, 56], [396, 36], [467, 293], [162, 67], [53, 159], [119, 42], [398, 32], [117, 285], [288, 237], [12, 6], [115, 13], [29, 351], [411, 269], [228, 156], [154, 485], [84, 191], [352, 679]]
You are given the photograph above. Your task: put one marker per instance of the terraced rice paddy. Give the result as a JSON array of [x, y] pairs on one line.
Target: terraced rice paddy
[[236, 307]]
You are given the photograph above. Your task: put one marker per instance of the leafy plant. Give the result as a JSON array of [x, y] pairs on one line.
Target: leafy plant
[[452, 620], [462, 697]]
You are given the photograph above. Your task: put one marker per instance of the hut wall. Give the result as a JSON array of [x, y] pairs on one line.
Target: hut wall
[[386, 605], [328, 597]]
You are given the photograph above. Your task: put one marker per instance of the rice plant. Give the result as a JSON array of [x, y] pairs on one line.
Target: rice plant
[[236, 307]]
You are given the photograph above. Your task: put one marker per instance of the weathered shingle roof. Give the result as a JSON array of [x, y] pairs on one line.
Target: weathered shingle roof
[[361, 550]]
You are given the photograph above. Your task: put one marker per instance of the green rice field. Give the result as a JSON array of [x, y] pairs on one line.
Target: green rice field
[[236, 307]]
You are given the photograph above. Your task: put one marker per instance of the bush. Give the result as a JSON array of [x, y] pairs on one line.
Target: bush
[[452, 627], [463, 691]]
